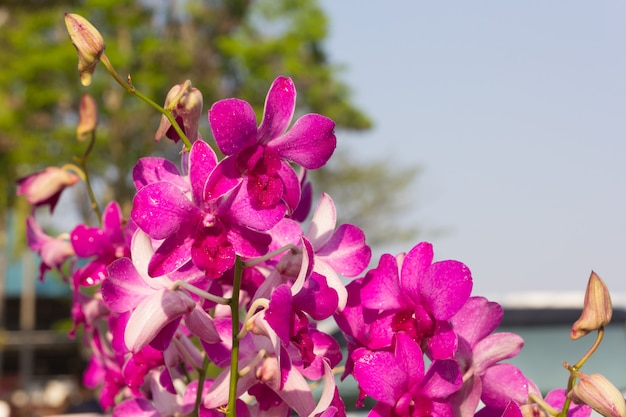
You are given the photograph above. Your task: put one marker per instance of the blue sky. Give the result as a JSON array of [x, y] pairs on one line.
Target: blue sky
[[517, 113]]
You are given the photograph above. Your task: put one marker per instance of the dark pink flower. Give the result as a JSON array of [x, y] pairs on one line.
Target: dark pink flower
[[397, 380], [101, 245], [414, 295], [479, 355], [156, 307], [209, 222], [263, 154], [325, 249]]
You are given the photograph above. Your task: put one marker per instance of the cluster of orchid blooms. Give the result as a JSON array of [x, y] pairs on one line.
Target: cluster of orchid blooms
[[205, 301]]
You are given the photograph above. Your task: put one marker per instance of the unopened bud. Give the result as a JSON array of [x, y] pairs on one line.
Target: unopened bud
[[597, 392], [88, 42], [45, 187], [185, 103], [87, 116], [597, 310]]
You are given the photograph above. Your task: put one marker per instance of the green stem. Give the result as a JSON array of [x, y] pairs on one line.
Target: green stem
[[533, 398], [573, 370], [234, 359], [130, 88], [591, 350], [82, 161], [201, 378]]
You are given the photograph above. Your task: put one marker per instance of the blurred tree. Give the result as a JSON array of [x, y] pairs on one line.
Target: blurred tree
[[227, 48]]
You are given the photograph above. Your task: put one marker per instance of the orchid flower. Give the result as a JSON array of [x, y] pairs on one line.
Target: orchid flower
[[398, 381], [414, 295], [263, 154], [156, 308], [480, 351], [102, 245], [209, 227]]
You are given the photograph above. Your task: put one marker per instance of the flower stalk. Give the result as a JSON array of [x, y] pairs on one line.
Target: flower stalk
[[234, 358]]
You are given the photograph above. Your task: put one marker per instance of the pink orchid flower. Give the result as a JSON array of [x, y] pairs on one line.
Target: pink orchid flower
[[414, 295], [102, 245], [397, 380], [209, 222], [156, 308], [326, 250], [480, 351], [263, 154]]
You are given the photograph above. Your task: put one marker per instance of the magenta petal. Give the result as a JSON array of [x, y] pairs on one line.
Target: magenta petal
[[89, 241], [200, 323], [233, 123], [278, 314], [124, 288], [512, 410], [248, 243], [279, 106], [445, 288], [152, 314], [164, 337], [346, 251], [243, 212], [380, 376], [301, 212], [409, 357], [174, 252], [556, 398], [224, 178], [137, 407], [381, 290], [477, 319], [112, 219], [381, 410], [316, 298], [202, 161], [287, 231], [466, 399], [502, 383], [495, 348], [414, 267], [291, 185], [443, 378], [151, 169], [310, 142], [212, 252], [443, 344], [160, 208]]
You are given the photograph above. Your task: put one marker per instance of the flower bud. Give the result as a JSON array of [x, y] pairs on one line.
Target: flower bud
[[597, 310], [88, 42], [185, 103], [87, 116], [45, 187], [597, 392]]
